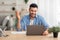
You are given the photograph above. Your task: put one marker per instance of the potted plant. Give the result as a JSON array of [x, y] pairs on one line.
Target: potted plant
[[50, 30], [55, 30], [26, 1]]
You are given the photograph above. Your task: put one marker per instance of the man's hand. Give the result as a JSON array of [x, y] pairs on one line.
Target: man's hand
[[18, 18], [17, 15], [45, 32]]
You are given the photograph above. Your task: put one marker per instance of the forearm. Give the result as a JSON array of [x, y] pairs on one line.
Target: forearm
[[18, 25], [18, 20]]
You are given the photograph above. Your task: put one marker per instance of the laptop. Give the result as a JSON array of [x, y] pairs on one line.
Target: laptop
[[35, 29]]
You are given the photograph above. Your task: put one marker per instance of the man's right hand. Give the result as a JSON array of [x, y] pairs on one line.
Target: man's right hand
[[17, 15], [18, 18]]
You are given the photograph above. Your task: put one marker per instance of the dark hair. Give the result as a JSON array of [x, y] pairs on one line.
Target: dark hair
[[33, 5]]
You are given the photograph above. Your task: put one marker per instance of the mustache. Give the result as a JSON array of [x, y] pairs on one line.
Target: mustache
[[32, 13]]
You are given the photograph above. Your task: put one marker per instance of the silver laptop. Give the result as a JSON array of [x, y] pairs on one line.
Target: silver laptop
[[35, 29]]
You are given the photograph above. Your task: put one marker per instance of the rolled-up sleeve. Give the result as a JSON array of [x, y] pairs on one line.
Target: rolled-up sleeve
[[44, 23]]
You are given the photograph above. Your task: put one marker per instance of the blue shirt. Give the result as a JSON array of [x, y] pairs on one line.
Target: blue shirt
[[38, 20]]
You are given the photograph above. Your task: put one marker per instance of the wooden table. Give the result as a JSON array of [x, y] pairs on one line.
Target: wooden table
[[25, 37]]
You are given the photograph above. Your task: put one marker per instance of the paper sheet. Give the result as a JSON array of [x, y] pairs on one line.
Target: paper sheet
[[18, 32]]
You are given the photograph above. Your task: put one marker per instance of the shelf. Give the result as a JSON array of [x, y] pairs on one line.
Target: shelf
[[7, 4], [7, 11]]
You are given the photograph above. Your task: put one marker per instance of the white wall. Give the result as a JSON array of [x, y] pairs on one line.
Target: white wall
[[49, 10], [57, 11]]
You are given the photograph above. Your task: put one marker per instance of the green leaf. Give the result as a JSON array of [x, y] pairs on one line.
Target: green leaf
[[54, 29], [26, 1]]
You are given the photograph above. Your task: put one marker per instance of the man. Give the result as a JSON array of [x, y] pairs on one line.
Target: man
[[32, 19]]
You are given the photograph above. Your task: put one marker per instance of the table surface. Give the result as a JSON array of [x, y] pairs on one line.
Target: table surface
[[13, 36]]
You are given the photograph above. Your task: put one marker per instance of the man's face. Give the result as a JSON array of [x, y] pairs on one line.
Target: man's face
[[33, 11]]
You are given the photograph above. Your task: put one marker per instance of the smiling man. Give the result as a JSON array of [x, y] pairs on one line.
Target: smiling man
[[32, 19]]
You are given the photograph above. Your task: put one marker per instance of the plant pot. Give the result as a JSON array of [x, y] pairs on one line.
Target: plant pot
[[55, 34]]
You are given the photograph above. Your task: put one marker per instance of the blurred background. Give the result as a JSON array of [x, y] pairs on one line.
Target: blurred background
[[49, 9]]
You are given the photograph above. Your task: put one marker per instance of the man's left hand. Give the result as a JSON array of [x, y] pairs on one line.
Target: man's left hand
[[45, 32]]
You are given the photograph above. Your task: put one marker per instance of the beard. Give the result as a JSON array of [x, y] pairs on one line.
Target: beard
[[32, 15]]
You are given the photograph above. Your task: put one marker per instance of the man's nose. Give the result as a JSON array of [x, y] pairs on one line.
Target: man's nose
[[33, 12]]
